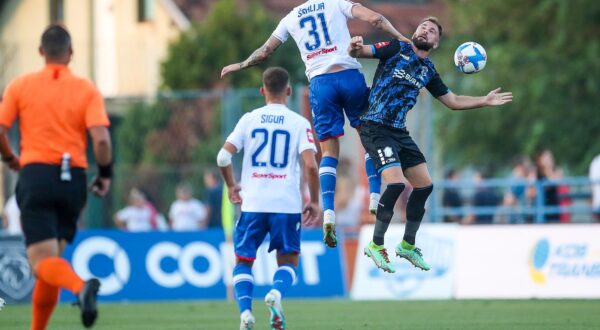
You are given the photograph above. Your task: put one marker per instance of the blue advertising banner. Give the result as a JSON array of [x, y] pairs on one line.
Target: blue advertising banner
[[192, 265]]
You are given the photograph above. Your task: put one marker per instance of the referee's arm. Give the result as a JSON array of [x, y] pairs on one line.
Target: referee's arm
[[8, 156], [103, 151]]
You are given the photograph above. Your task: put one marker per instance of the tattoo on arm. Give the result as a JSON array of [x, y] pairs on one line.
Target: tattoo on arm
[[259, 55], [380, 22]]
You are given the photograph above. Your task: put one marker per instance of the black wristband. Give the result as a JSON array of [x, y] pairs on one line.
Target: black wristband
[[105, 171], [8, 159]]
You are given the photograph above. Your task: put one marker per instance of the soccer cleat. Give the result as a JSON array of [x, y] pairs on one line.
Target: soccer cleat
[[329, 237], [379, 255], [413, 255], [373, 203], [273, 302], [87, 302], [247, 320]]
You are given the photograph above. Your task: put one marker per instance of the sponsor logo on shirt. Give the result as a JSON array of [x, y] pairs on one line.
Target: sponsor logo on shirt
[[401, 74], [309, 136], [382, 44], [321, 52], [271, 176]]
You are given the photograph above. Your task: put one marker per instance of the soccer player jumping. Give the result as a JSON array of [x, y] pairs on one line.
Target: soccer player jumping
[[276, 140], [320, 30], [404, 68]]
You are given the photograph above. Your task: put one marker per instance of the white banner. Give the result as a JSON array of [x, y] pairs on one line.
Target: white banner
[[528, 261], [437, 243]]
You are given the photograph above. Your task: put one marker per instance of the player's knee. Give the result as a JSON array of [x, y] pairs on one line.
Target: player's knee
[[385, 210], [290, 259], [244, 261], [416, 202]]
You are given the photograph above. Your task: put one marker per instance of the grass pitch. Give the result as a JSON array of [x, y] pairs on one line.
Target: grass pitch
[[330, 314]]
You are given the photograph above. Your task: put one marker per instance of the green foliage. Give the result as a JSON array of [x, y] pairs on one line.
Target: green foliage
[[227, 35], [545, 52], [139, 121]]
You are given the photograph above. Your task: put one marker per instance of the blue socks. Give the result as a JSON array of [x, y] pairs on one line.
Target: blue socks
[[373, 176], [327, 176], [284, 278], [243, 284]]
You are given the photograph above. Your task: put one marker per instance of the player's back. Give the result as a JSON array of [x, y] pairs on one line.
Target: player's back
[[320, 30], [272, 138]]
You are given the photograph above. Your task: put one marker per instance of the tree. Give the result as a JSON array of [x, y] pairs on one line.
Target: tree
[[545, 52], [227, 35]]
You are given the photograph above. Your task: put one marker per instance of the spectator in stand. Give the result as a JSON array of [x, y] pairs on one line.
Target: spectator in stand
[[451, 197], [137, 216], [595, 179], [11, 217], [516, 197], [213, 198], [564, 198], [546, 171], [187, 213], [484, 197]]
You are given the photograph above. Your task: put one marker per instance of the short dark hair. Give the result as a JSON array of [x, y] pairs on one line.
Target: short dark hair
[[56, 41], [433, 20], [276, 80]]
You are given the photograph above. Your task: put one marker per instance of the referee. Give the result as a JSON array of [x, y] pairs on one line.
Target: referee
[[55, 110]]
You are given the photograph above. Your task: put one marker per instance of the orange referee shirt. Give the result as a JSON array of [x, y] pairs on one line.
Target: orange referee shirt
[[55, 108]]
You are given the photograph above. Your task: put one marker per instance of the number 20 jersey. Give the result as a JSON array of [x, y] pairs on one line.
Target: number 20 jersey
[[272, 137], [320, 30]]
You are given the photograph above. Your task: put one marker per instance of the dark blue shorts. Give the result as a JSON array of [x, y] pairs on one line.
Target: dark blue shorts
[[331, 95], [252, 228]]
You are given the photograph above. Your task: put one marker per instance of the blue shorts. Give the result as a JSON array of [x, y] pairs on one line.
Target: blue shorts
[[331, 95], [252, 228]]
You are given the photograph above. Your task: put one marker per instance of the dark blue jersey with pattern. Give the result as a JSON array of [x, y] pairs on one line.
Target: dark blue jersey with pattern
[[399, 77]]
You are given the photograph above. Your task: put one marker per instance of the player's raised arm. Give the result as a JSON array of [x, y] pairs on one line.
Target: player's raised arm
[[377, 20], [463, 102], [358, 49], [258, 56]]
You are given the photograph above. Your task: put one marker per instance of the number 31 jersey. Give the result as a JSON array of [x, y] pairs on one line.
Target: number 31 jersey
[[272, 137], [320, 30]]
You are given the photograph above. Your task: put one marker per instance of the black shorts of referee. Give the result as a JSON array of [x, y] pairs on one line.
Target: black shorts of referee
[[50, 207]]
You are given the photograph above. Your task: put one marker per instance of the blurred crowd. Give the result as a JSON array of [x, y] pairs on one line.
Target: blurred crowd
[[466, 198], [529, 184]]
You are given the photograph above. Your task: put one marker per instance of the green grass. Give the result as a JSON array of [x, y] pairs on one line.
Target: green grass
[[331, 314]]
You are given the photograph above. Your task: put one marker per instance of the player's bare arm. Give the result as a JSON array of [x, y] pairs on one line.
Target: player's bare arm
[[463, 102], [377, 20], [311, 210], [224, 162], [8, 156], [358, 49], [258, 56]]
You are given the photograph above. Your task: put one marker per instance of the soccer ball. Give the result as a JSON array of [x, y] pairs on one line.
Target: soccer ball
[[470, 57]]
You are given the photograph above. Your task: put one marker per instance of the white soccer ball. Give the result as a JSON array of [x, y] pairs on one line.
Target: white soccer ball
[[470, 57]]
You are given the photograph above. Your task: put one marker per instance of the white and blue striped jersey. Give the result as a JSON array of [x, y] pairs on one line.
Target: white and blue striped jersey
[[272, 137], [320, 30]]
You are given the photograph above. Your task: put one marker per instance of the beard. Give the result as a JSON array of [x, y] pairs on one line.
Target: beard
[[421, 44]]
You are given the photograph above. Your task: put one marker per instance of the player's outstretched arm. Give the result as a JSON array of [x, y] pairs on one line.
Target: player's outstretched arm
[[463, 102], [377, 20], [257, 56], [310, 168], [358, 49]]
